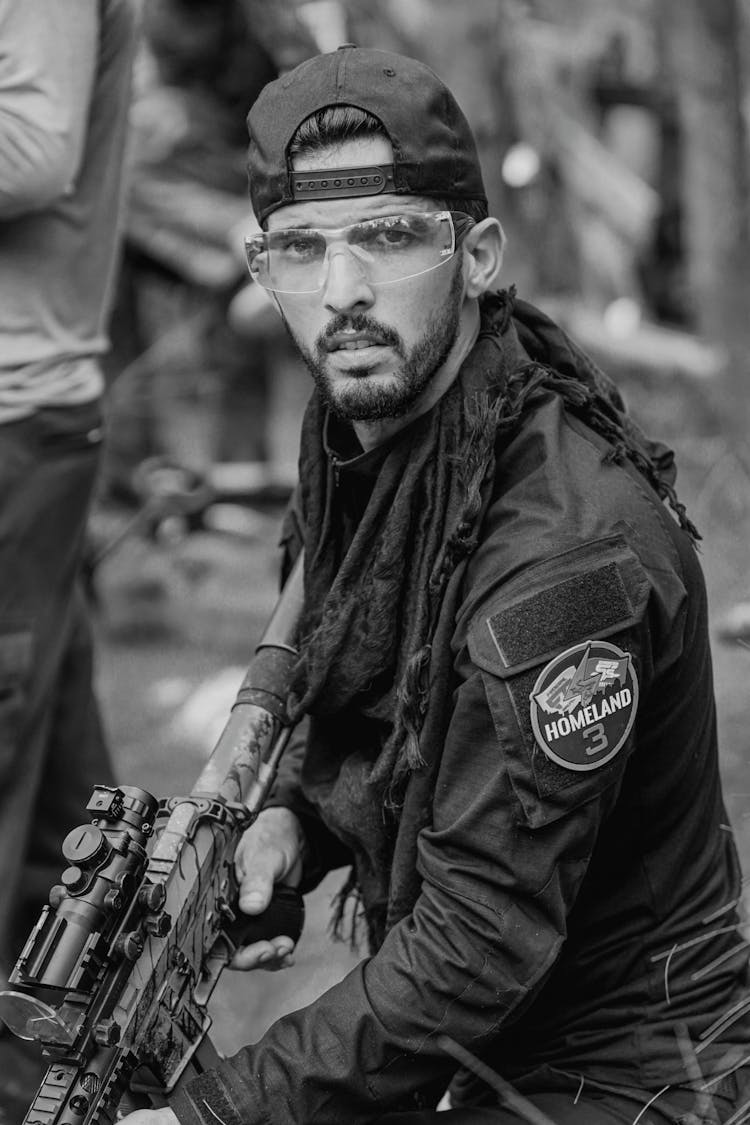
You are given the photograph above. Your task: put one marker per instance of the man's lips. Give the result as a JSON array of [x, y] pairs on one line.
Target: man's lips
[[353, 342]]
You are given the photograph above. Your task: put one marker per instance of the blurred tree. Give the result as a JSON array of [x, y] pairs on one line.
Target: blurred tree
[[475, 48], [285, 37], [701, 43], [575, 214]]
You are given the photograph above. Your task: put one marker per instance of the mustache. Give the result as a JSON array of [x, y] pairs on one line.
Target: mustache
[[360, 322]]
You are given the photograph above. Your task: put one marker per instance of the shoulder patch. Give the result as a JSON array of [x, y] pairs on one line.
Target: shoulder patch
[[583, 705]]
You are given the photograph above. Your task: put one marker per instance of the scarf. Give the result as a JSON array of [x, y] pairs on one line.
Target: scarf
[[380, 610]]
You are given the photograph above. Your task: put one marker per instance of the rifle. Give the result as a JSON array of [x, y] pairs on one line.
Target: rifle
[[115, 977]]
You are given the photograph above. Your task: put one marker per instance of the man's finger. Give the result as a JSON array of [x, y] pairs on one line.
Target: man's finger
[[257, 875], [255, 894], [256, 884], [271, 954], [150, 1117]]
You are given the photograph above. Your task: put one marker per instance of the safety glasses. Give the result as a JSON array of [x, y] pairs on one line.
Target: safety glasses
[[388, 248]]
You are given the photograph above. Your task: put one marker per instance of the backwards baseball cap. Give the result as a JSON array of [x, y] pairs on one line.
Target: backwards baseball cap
[[434, 152]]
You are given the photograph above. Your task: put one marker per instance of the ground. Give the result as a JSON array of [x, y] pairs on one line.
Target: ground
[[177, 624]]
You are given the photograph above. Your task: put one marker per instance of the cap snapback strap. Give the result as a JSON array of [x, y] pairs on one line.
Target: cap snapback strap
[[341, 183]]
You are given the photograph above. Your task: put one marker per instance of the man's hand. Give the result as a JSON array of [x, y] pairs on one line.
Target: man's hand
[[270, 852], [150, 1117]]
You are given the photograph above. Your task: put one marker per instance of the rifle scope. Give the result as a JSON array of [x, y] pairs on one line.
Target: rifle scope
[[71, 941]]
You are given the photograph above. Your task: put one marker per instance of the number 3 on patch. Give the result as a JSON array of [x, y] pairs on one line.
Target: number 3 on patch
[[598, 739], [584, 704]]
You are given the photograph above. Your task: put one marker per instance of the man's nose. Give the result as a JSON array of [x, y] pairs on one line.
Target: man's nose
[[346, 286]]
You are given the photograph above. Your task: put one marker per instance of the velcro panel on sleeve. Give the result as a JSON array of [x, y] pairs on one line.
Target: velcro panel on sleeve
[[589, 592]]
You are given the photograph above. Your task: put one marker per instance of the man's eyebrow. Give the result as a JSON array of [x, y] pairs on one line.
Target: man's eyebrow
[[294, 226], [357, 222]]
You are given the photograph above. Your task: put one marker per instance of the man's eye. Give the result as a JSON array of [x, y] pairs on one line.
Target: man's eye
[[388, 238], [299, 246], [396, 236]]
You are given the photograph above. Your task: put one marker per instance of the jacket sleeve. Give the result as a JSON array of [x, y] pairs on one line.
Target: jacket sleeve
[[47, 70], [323, 851], [501, 865]]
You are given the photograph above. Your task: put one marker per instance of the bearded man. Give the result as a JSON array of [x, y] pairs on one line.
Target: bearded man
[[507, 722]]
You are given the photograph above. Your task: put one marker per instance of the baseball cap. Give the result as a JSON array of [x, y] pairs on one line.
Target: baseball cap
[[434, 152]]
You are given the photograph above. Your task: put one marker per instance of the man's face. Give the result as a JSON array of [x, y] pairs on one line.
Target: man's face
[[371, 349]]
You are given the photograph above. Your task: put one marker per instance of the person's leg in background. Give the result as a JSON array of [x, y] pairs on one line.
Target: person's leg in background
[[51, 748], [76, 760]]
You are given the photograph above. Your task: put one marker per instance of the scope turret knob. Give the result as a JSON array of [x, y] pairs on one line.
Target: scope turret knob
[[130, 945], [73, 879], [113, 899], [84, 845], [159, 925], [107, 1033], [152, 896], [57, 895], [125, 882]]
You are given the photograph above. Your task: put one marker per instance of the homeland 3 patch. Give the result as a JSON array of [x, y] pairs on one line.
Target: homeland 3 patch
[[583, 705]]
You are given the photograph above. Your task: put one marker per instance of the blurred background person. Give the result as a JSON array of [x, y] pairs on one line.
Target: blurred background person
[[65, 72], [189, 386]]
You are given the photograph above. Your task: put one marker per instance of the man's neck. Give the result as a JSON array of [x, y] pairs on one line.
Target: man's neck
[[379, 430]]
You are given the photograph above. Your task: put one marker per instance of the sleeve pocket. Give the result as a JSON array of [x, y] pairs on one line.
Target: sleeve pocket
[[545, 790], [559, 654]]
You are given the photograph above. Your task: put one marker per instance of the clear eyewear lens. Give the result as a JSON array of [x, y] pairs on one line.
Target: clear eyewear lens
[[388, 248]]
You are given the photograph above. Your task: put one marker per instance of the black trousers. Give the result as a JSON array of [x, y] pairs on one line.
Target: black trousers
[[551, 1109], [548, 1097], [51, 747]]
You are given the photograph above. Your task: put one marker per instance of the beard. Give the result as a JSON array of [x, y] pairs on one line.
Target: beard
[[360, 399]]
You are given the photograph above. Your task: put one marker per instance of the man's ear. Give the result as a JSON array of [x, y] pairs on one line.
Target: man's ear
[[484, 246]]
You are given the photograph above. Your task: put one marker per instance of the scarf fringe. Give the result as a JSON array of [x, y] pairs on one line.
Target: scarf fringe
[[412, 695], [475, 466], [349, 917]]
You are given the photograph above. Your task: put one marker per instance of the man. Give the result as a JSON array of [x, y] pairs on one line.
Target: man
[[64, 94], [505, 670]]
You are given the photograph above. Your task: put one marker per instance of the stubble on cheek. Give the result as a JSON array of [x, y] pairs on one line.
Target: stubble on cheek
[[350, 393], [354, 396]]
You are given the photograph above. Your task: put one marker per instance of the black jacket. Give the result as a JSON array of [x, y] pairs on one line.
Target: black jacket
[[578, 877]]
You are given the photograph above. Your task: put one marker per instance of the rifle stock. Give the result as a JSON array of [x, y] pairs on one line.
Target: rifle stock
[[115, 977]]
